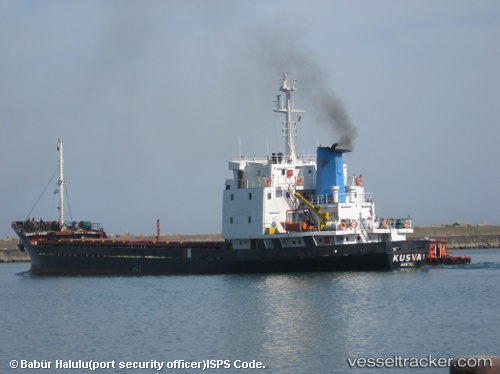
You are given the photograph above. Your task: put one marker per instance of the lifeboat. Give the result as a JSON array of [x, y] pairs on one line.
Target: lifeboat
[[296, 226]]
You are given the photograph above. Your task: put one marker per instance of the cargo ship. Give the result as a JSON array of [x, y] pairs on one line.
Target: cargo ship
[[281, 213]]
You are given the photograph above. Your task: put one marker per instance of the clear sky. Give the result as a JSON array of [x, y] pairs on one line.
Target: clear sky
[[152, 98]]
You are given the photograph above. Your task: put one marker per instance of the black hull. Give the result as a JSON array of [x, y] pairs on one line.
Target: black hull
[[197, 258]]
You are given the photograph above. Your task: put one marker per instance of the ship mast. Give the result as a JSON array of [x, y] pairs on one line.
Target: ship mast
[[61, 184], [288, 86]]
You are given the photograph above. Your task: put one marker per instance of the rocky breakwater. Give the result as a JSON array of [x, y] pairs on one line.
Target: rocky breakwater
[[461, 236]]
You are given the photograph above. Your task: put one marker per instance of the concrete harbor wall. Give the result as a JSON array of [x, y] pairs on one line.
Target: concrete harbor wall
[[13, 255], [458, 237], [461, 236], [9, 251]]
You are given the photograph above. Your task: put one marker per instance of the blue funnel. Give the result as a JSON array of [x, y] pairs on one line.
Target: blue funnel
[[330, 171]]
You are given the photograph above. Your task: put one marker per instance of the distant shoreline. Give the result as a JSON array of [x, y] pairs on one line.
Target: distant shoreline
[[456, 235]]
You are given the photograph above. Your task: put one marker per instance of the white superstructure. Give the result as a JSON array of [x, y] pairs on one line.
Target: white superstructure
[[285, 197]]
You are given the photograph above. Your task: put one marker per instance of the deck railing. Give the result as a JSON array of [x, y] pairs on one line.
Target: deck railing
[[31, 225]]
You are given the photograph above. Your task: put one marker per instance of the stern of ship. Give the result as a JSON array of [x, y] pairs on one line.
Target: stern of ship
[[408, 254]]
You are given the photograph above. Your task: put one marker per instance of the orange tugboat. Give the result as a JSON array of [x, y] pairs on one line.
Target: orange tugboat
[[438, 255]]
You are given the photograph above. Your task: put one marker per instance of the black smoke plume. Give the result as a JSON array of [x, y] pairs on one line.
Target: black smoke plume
[[313, 82]]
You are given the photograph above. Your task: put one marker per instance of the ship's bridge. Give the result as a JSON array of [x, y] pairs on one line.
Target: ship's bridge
[[273, 171]]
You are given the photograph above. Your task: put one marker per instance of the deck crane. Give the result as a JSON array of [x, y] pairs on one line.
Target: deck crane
[[324, 217]]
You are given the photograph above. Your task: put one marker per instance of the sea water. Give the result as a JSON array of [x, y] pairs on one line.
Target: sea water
[[331, 322]]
